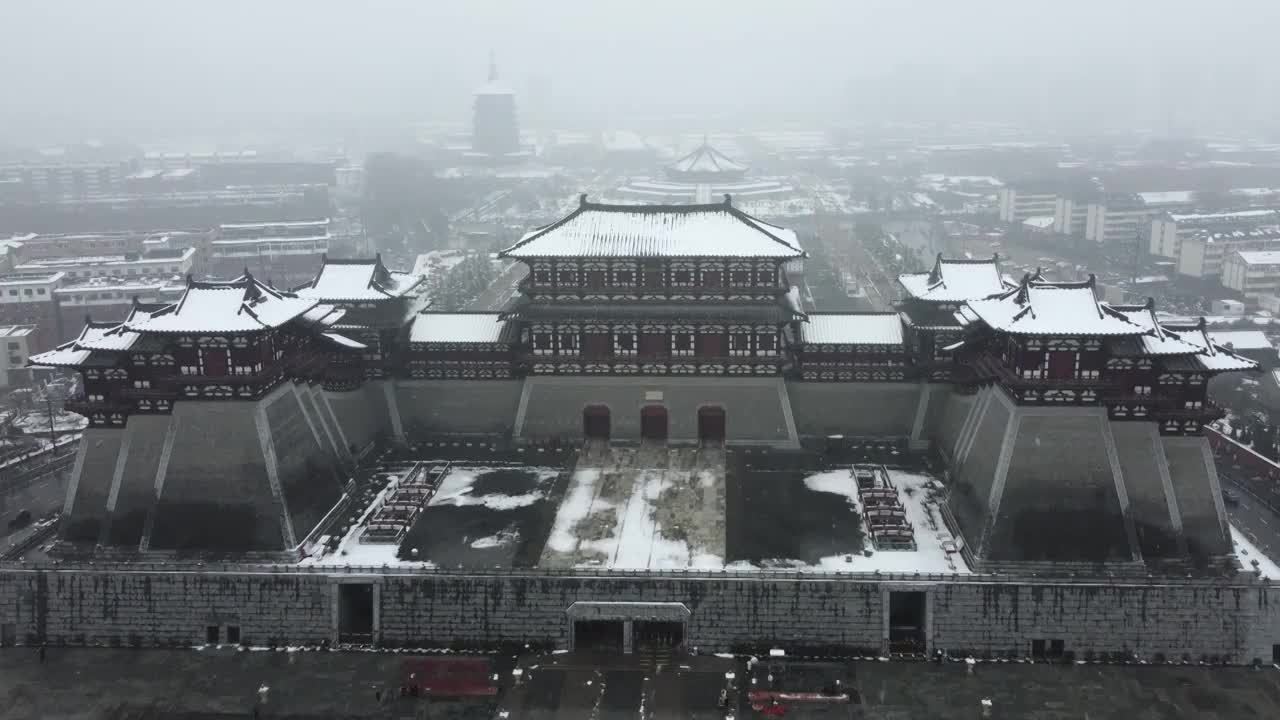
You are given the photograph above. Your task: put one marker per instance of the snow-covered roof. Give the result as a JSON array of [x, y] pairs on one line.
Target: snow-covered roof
[[1259, 257], [1167, 197], [430, 327], [1156, 339], [1048, 308], [97, 336], [1213, 357], [954, 280], [598, 230], [852, 329], [1241, 339], [1040, 222], [358, 280], [235, 306], [705, 160]]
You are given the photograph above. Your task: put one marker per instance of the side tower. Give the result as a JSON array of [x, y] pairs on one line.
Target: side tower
[[1082, 442], [377, 305], [648, 320], [199, 437]]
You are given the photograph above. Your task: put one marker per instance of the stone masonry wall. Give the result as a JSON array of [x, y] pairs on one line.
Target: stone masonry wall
[[96, 606], [854, 409]]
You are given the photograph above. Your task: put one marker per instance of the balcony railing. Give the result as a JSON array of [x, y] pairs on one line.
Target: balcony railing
[[664, 293]]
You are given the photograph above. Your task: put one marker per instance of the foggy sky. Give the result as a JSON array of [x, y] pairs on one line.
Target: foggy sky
[[107, 65]]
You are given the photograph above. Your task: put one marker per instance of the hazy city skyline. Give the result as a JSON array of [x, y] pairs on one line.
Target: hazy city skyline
[[78, 68]]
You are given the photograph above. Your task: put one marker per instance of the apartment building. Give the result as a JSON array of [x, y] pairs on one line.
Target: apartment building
[[16, 349], [1252, 273]]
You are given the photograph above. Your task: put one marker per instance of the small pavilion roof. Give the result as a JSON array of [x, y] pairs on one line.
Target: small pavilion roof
[[236, 306], [706, 160], [358, 280], [715, 230], [956, 280]]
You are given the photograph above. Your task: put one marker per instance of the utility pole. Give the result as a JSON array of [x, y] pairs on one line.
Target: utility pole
[[53, 439]]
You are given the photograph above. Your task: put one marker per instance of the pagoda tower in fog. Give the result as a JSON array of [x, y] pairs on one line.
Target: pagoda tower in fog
[[494, 131]]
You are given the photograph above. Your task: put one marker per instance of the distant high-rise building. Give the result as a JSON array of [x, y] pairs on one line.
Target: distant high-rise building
[[495, 131]]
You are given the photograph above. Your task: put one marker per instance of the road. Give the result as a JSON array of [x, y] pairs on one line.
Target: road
[[1254, 518]]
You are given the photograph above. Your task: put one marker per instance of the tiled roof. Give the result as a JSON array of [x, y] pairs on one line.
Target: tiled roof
[[1045, 308], [358, 280], [432, 327], [718, 230], [852, 329], [956, 280], [236, 306], [705, 160]]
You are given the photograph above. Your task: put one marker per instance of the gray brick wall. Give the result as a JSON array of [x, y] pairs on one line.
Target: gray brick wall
[[430, 407], [1235, 623]]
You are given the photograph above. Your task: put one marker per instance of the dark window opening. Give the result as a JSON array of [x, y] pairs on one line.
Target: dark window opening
[[568, 343], [595, 279], [740, 277], [1275, 654], [682, 277], [213, 634], [765, 278], [596, 346], [1062, 365], [1057, 648], [653, 275], [624, 278], [767, 342], [541, 341], [711, 278], [215, 362], [682, 342], [653, 345], [711, 345], [233, 634], [568, 277], [626, 342], [711, 425], [355, 613]]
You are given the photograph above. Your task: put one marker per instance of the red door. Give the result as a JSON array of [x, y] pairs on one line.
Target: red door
[[595, 422], [711, 424], [653, 422]]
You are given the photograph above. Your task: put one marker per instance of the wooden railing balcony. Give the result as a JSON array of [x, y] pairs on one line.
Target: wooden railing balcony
[[655, 294], [985, 366], [529, 356]]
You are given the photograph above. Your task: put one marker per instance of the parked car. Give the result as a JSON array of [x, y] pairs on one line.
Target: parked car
[[1230, 497]]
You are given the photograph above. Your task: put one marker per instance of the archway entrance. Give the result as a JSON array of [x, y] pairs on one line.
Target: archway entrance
[[711, 424], [595, 422], [653, 422]]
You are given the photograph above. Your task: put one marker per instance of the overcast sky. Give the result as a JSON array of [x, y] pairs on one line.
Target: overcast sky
[[109, 64]]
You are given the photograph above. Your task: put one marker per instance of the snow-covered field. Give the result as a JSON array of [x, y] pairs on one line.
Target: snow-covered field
[[624, 516]]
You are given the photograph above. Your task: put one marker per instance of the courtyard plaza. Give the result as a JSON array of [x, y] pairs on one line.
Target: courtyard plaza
[[644, 507]]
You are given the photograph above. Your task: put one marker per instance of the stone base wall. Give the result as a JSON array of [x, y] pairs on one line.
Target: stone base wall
[[214, 475], [447, 407], [876, 410], [1229, 622]]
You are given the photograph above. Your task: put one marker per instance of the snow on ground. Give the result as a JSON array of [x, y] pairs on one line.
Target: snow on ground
[[508, 536], [353, 552], [456, 489], [926, 521], [836, 482], [636, 512], [1247, 552]]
